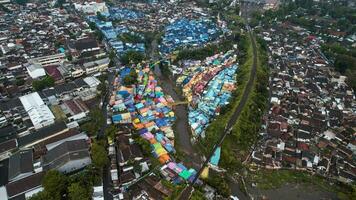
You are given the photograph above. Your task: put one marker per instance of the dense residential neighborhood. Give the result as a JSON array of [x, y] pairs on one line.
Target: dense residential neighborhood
[[177, 99]]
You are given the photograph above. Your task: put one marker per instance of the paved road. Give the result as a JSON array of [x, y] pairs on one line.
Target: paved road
[[188, 190], [106, 171]]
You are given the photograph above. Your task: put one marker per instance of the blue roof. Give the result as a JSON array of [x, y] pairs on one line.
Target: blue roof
[[216, 157], [61, 50]]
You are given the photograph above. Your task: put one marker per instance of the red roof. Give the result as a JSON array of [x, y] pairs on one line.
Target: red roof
[[303, 146], [53, 72]]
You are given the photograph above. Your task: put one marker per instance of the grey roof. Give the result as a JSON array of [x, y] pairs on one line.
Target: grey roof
[[4, 172], [65, 152], [7, 133], [21, 186], [41, 133], [8, 145], [86, 43], [47, 92], [64, 88], [20, 163], [12, 103], [80, 82]]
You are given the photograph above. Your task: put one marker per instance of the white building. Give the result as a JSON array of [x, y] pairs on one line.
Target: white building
[[36, 71], [91, 81], [96, 66], [38, 111], [55, 59], [91, 7], [98, 193]]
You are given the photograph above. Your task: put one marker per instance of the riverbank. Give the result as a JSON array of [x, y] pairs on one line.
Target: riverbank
[[182, 134]]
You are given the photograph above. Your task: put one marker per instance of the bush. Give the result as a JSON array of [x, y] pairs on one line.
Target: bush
[[245, 131], [220, 184], [131, 78], [132, 57], [45, 82], [99, 155], [130, 38]]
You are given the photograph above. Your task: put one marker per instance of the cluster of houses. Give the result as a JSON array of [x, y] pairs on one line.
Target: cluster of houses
[[188, 33], [39, 130], [38, 40], [152, 16], [311, 121], [146, 110], [207, 85]]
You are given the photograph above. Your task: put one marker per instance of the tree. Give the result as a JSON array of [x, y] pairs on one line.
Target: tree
[[78, 192], [96, 121], [47, 81], [130, 38], [20, 82], [132, 57], [344, 62], [92, 25], [43, 195], [69, 57], [59, 3], [90, 128], [102, 87], [54, 184], [131, 78], [112, 55], [100, 16], [99, 155], [21, 2], [111, 131]]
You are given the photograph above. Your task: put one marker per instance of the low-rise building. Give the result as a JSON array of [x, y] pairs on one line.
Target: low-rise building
[[68, 156], [38, 111], [36, 71]]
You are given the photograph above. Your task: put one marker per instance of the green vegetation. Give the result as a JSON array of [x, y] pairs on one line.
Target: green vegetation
[[20, 81], [177, 189], [99, 154], [103, 86], [164, 67], [146, 149], [100, 16], [266, 180], [197, 195], [54, 183], [245, 131], [323, 18], [4, 9], [21, 2], [219, 182], [77, 192], [58, 113], [130, 38], [111, 131], [43, 83], [79, 186], [59, 3], [150, 37], [132, 57], [344, 60], [208, 50], [327, 15], [131, 78], [92, 127]]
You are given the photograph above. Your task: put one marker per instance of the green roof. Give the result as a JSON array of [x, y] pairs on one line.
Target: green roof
[[185, 174]]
